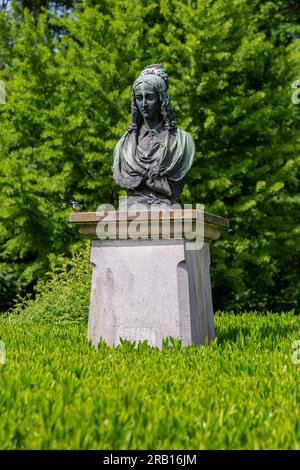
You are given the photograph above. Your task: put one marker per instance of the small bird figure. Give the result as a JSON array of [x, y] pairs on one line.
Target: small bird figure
[[76, 206]]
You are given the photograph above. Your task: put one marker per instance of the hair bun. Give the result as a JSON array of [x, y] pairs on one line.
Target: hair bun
[[156, 69]]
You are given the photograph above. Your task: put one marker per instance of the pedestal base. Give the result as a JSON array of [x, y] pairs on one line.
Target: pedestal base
[[150, 274], [149, 290]]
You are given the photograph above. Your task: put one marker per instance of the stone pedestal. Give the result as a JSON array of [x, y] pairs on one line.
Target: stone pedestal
[[151, 288]]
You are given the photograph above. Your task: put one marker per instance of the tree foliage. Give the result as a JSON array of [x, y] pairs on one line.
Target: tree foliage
[[68, 84]]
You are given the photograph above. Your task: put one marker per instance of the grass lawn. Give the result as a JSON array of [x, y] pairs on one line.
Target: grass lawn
[[242, 392]]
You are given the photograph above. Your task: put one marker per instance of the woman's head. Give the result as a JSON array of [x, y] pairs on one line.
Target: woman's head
[[147, 102], [150, 97]]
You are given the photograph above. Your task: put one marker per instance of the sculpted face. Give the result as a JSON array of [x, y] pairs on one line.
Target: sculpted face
[[148, 102]]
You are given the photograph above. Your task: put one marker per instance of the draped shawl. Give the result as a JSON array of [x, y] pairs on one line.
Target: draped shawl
[[170, 161]]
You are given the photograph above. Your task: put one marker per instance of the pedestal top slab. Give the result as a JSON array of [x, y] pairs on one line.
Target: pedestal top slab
[[211, 224]]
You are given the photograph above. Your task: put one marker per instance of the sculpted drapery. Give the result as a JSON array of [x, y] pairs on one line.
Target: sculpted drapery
[[152, 162]]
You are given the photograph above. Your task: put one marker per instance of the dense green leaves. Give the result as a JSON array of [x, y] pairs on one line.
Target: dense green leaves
[[68, 101], [59, 392], [63, 297]]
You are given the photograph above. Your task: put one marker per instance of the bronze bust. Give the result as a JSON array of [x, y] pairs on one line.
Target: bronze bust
[[153, 157]]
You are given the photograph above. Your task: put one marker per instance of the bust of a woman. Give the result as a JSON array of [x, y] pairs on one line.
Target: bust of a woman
[[153, 157]]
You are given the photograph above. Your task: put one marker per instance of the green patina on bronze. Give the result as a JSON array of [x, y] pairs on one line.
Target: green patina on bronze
[[155, 174]]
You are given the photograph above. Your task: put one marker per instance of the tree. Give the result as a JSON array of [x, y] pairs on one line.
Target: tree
[[69, 101]]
